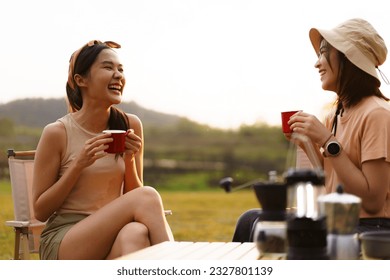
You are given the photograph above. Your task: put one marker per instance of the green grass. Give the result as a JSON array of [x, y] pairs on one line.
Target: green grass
[[206, 216], [197, 215], [6, 213]]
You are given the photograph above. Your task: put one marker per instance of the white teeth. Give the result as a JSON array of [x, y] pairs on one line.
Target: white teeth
[[115, 87]]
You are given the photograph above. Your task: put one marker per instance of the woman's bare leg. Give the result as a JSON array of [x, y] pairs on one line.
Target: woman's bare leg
[[132, 237], [93, 237]]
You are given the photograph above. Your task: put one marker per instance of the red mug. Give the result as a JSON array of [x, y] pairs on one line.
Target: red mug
[[118, 143], [285, 118]]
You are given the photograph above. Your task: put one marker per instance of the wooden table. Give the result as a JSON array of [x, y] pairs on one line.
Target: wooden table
[[198, 251]]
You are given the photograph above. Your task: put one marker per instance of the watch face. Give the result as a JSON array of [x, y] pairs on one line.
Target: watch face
[[333, 148]]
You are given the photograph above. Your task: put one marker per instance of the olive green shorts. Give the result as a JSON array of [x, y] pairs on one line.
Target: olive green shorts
[[56, 228]]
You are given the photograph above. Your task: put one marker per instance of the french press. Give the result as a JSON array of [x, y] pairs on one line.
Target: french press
[[306, 224], [306, 227]]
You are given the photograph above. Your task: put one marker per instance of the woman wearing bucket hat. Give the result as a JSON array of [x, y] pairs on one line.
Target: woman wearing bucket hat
[[354, 140]]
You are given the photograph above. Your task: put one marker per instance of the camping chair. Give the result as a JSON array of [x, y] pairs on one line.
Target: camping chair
[[27, 228]]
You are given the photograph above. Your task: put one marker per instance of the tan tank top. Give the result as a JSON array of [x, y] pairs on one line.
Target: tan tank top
[[99, 183]]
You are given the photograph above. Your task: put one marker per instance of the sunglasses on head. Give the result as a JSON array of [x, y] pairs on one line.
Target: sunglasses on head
[[110, 44]]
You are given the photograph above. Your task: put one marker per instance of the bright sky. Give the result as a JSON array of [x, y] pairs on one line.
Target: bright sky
[[218, 62]]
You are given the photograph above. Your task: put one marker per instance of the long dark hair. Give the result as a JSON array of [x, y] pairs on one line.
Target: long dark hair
[[87, 56], [355, 84]]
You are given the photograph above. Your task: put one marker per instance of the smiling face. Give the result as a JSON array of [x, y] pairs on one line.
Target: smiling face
[[105, 80], [328, 65]]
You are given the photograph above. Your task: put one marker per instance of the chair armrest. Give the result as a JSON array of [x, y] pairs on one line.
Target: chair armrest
[[167, 212], [21, 224]]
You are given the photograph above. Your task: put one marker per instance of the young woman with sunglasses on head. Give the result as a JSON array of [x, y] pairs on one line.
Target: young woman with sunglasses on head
[[95, 203]]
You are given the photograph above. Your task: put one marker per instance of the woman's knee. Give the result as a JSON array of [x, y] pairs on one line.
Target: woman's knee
[[249, 216], [245, 225], [148, 196], [150, 192]]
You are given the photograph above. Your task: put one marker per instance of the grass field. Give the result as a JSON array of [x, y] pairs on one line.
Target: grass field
[[197, 216]]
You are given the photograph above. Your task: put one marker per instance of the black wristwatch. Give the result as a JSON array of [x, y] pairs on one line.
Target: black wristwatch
[[332, 149]]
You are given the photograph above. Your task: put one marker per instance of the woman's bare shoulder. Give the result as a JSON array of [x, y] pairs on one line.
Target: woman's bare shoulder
[[54, 129], [54, 134], [135, 122]]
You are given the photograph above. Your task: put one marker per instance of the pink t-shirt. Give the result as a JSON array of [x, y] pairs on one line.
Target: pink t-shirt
[[364, 134]]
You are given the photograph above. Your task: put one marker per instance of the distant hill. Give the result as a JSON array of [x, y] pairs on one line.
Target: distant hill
[[38, 112]]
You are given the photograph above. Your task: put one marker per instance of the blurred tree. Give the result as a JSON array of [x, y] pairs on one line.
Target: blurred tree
[[7, 127]]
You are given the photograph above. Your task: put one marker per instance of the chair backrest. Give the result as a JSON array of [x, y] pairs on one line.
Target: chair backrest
[[21, 165]]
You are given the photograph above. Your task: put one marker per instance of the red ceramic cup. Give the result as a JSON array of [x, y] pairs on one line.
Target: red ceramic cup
[[285, 118], [118, 144]]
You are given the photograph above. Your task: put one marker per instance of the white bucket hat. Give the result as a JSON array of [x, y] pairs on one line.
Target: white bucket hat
[[357, 40]]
